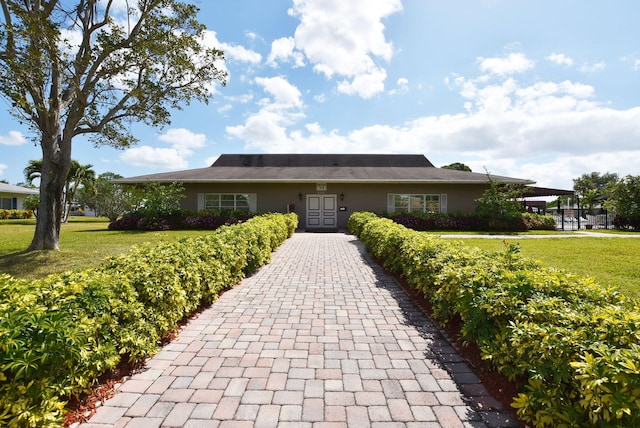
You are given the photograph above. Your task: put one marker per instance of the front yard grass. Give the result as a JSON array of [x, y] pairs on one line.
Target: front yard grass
[[84, 243], [610, 261]]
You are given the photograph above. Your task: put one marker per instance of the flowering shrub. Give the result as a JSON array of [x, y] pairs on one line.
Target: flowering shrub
[[125, 223], [539, 222], [15, 214], [472, 222], [178, 221]]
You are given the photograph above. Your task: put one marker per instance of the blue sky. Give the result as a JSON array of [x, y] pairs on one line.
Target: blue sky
[[546, 90]]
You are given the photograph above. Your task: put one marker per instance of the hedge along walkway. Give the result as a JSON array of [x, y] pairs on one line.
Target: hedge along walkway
[[321, 337]]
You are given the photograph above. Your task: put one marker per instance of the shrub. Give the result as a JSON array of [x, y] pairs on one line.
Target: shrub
[[58, 334], [473, 222], [539, 222], [15, 214], [181, 220], [575, 343]]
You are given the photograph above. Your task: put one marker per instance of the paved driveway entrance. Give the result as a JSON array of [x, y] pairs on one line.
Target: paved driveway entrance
[[321, 337]]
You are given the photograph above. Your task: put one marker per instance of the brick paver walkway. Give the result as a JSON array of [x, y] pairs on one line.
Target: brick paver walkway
[[321, 337]]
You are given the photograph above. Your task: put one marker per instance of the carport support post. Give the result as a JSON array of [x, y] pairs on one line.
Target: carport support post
[[579, 213], [561, 211]]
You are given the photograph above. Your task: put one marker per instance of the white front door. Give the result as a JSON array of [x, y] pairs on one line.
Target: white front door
[[322, 211]]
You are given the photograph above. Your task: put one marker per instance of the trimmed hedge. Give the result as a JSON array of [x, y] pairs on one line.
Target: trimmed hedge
[[59, 334], [180, 220], [572, 344], [473, 222]]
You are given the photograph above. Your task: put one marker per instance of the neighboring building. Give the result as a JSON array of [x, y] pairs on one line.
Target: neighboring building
[[325, 189], [12, 197]]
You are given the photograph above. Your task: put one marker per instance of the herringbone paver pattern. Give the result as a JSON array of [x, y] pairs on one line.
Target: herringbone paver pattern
[[321, 337]]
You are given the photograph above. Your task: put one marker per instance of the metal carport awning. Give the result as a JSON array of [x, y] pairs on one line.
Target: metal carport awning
[[531, 192]]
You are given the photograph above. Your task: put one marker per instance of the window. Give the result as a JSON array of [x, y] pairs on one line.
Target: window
[[400, 203], [8, 203], [226, 202]]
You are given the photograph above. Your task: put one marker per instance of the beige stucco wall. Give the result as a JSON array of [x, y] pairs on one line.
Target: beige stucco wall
[[357, 197]]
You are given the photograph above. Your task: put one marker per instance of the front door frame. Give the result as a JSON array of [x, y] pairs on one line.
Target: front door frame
[[322, 211]]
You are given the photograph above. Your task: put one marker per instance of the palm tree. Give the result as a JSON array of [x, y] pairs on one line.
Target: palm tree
[[78, 174], [33, 171]]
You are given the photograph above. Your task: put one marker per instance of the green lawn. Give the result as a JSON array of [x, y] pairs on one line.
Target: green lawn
[[84, 242], [612, 261]]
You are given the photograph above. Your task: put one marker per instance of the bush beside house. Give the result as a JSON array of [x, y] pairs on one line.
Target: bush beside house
[[179, 220], [473, 222], [573, 345], [15, 214]]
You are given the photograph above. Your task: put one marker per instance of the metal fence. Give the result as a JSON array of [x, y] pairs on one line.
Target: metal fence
[[577, 219]]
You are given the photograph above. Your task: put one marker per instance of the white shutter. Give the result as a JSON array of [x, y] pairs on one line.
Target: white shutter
[[443, 203], [200, 202], [253, 202]]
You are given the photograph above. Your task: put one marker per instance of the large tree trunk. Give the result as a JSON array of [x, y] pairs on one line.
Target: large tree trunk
[[56, 161]]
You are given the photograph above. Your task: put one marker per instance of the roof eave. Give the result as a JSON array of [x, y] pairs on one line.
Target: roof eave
[[322, 180]]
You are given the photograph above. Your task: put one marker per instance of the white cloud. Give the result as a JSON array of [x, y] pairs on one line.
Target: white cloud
[[154, 158], [402, 87], [285, 94], [268, 127], [283, 49], [343, 38], [182, 141], [231, 51], [3, 167], [633, 60], [365, 85], [13, 138], [593, 68], [546, 131], [512, 63], [560, 59]]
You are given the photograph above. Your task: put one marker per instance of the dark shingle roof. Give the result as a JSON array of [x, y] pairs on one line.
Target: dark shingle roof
[[354, 168], [322, 161]]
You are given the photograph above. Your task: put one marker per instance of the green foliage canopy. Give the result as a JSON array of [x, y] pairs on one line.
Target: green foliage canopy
[[591, 186], [75, 68], [107, 198], [624, 200], [458, 167]]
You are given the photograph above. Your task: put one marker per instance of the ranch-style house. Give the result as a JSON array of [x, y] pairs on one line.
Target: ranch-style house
[[324, 189], [12, 197]]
